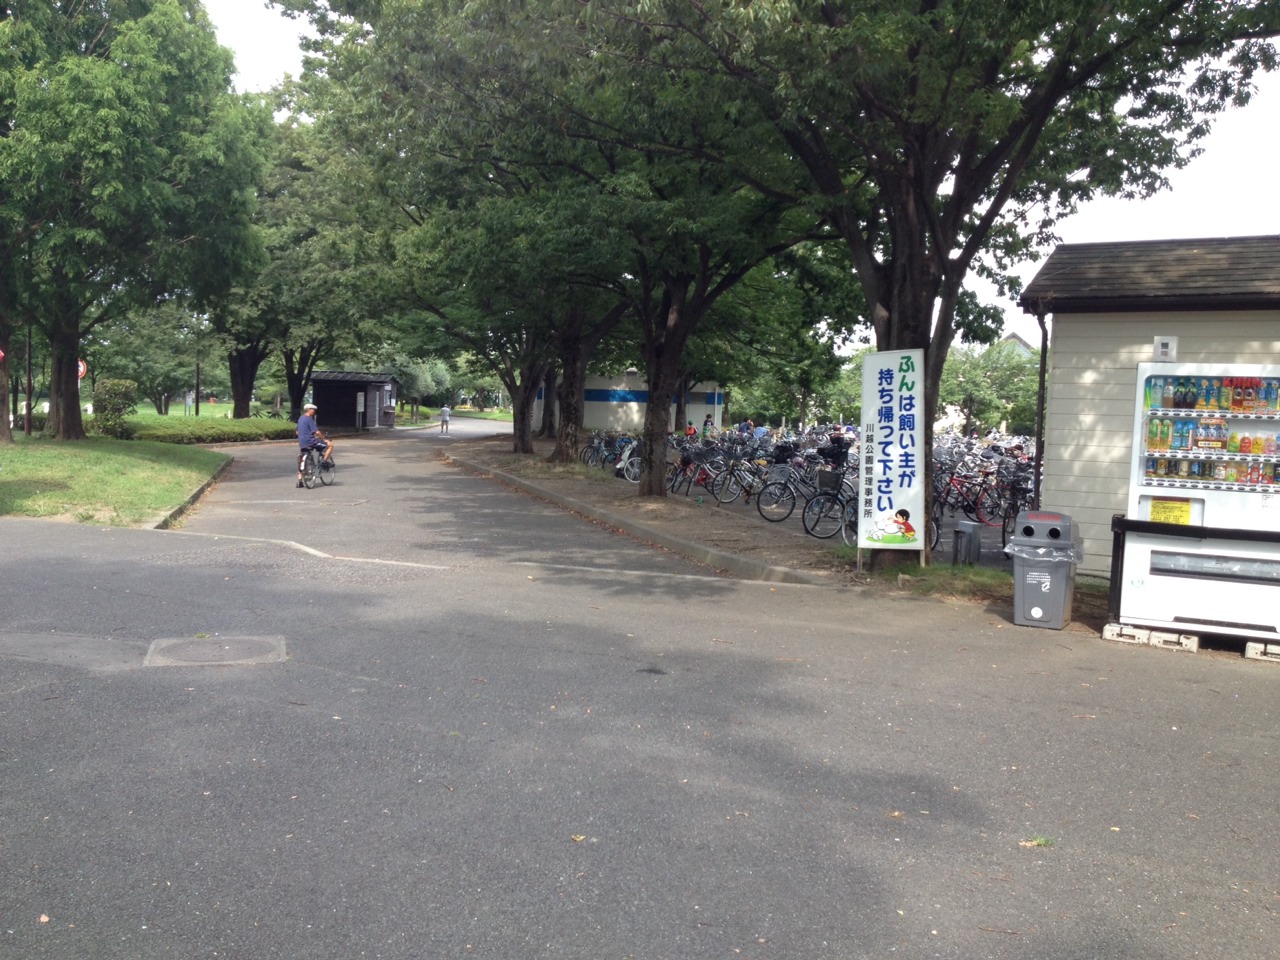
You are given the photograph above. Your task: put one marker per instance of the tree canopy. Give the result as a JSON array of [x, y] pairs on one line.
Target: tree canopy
[[933, 139], [524, 180], [128, 165]]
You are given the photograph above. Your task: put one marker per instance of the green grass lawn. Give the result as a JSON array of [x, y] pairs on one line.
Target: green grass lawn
[[503, 415], [134, 482], [110, 482]]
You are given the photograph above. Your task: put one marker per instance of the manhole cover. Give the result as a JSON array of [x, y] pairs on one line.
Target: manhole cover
[[214, 651]]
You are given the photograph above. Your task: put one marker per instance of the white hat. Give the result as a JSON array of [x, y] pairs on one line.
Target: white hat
[[309, 406]]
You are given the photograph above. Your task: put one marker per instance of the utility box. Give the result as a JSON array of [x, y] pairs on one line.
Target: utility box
[[966, 548], [1045, 548]]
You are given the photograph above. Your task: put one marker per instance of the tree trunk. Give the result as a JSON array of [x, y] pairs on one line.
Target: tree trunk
[[682, 403], [65, 420], [663, 378], [576, 342], [569, 399], [298, 364], [522, 397], [665, 342], [548, 427], [6, 430], [244, 361]]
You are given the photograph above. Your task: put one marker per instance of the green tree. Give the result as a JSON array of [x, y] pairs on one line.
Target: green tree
[[936, 133], [992, 387], [773, 342], [487, 123], [128, 167], [152, 346], [319, 293]]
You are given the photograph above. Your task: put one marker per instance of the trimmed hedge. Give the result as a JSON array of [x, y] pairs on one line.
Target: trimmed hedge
[[211, 429]]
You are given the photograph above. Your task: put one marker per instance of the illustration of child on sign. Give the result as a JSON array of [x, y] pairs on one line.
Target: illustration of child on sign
[[902, 520], [895, 529]]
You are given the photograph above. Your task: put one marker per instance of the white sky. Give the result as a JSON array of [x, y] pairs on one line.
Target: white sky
[[264, 41], [1229, 191]]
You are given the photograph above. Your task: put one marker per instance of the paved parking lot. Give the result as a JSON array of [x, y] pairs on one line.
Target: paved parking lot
[[417, 715]]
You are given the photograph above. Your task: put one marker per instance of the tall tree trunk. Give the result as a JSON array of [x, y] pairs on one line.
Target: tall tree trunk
[[569, 398], [6, 431], [577, 340], [65, 420], [523, 394], [548, 427], [663, 379], [244, 361], [682, 403], [664, 350], [298, 365]]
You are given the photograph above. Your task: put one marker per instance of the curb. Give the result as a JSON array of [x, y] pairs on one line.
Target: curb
[[173, 516], [719, 559]]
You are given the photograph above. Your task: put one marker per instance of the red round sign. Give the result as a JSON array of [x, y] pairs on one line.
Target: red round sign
[[81, 369]]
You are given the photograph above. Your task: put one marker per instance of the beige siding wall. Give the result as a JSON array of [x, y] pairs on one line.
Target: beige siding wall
[[1090, 403]]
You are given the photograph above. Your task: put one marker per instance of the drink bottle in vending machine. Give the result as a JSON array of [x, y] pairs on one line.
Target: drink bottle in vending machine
[[1203, 500]]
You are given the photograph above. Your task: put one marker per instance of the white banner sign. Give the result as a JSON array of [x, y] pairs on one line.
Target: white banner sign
[[891, 500]]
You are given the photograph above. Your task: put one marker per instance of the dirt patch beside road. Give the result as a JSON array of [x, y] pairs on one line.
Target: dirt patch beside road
[[736, 528]]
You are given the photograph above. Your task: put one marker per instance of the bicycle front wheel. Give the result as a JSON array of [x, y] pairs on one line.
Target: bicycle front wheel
[[631, 469], [936, 518], [823, 515], [776, 501], [991, 508], [1006, 527], [849, 523], [327, 471], [309, 470], [727, 486]]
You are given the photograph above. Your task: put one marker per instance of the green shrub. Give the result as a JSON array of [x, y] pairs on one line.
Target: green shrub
[[113, 400], [211, 429]]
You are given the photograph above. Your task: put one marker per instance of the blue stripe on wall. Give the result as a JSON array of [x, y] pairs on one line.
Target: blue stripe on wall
[[616, 396], [642, 396]]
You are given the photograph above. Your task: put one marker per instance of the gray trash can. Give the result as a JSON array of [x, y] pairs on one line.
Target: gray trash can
[[1045, 548]]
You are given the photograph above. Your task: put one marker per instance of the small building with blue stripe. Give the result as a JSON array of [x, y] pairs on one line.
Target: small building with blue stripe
[[618, 404]]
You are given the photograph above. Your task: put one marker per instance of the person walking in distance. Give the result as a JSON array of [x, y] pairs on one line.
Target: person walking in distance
[[444, 418], [310, 436]]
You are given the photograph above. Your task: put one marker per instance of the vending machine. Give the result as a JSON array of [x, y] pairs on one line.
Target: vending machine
[[1201, 539]]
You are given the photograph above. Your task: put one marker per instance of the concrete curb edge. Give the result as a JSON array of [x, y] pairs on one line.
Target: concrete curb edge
[[173, 516]]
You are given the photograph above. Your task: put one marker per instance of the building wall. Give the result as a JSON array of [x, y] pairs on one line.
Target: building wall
[[337, 400], [617, 404], [1090, 403]]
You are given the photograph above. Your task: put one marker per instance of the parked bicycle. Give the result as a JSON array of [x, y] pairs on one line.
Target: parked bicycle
[[744, 472], [696, 464]]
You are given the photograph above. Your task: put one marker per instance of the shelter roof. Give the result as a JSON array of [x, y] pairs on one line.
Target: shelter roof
[[1225, 273], [343, 376]]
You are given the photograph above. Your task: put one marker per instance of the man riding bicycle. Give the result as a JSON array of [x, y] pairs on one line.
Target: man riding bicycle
[[310, 437]]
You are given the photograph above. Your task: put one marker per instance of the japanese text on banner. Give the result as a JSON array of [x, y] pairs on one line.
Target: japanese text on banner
[[893, 461]]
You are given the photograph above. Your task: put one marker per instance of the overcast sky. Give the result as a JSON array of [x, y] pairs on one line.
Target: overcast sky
[[1228, 191]]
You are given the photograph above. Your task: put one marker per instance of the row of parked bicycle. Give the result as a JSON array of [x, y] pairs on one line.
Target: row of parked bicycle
[[987, 481]]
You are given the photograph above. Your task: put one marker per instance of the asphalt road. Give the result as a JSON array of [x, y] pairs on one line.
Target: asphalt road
[[499, 731]]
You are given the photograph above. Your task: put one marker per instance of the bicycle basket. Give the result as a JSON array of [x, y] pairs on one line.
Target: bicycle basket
[[828, 481]]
